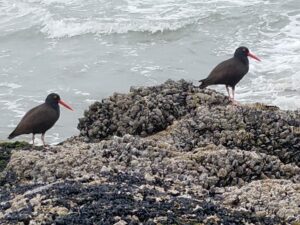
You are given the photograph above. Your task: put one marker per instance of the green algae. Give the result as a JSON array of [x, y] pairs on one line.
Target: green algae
[[5, 151]]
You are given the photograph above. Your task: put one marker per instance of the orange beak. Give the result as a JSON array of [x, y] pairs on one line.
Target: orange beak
[[253, 56], [65, 104]]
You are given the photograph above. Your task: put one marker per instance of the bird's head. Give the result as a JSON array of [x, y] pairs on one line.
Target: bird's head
[[243, 52], [54, 99]]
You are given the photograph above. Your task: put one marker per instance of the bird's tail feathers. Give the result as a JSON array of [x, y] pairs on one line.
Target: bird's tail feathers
[[12, 135], [203, 84]]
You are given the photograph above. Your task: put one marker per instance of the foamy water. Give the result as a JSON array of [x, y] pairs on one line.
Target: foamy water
[[87, 49]]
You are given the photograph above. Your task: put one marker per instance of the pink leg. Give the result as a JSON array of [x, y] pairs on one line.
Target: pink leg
[[32, 140], [227, 89], [43, 139], [234, 101]]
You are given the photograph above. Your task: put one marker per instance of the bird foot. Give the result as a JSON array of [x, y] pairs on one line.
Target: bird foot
[[234, 102]]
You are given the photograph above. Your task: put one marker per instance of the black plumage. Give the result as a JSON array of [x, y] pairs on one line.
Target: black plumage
[[41, 118], [231, 71]]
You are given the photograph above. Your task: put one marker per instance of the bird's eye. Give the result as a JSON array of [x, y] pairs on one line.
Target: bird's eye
[[244, 49]]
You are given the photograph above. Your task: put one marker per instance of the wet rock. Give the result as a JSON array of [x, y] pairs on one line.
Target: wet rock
[[260, 195], [145, 110], [245, 128], [112, 201], [168, 154]]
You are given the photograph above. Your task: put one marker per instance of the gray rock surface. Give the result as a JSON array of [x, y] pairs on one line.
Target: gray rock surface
[[170, 154]]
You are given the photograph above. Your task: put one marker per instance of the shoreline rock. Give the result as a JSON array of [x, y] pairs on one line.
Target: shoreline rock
[[169, 154], [145, 110]]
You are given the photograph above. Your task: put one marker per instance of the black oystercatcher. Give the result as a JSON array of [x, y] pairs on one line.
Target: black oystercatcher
[[231, 71], [41, 118]]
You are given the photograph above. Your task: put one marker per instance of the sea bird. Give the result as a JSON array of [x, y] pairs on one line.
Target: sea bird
[[40, 118], [230, 71]]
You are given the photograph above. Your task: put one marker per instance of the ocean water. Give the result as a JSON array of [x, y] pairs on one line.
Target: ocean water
[[87, 49]]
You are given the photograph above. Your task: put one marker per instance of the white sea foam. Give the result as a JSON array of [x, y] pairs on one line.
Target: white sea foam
[[77, 19], [275, 37], [65, 28], [9, 85], [90, 101], [13, 106], [78, 92], [280, 71]]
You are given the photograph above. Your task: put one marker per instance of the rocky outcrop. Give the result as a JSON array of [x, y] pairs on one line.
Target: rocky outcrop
[[144, 111], [170, 154]]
